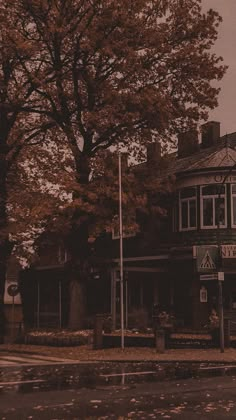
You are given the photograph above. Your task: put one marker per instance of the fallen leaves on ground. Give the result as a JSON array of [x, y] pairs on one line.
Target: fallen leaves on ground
[[87, 353]]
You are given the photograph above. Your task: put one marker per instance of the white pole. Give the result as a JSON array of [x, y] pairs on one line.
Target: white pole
[[60, 308], [38, 305], [126, 304], [121, 259]]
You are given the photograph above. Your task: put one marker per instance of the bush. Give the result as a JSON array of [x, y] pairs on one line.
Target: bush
[[58, 338]]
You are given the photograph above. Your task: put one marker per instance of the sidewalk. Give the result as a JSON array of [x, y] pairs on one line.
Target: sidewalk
[[85, 353]]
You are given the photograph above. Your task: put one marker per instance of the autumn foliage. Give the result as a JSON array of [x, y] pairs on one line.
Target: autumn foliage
[[95, 74]]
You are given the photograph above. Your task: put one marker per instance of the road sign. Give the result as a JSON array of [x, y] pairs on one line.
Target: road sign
[[212, 276], [220, 276], [207, 257], [13, 290]]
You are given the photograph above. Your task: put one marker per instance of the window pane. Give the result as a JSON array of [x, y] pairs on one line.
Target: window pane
[[234, 189], [184, 214], [188, 192], [234, 210], [213, 189], [207, 212], [192, 213], [220, 211]]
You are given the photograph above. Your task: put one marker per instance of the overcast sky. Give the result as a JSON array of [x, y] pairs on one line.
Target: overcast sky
[[226, 47]]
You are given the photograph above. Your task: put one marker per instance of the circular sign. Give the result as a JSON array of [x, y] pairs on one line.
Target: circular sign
[[13, 290]]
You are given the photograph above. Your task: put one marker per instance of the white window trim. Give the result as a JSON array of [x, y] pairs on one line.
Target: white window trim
[[116, 235], [215, 196], [181, 200], [232, 205]]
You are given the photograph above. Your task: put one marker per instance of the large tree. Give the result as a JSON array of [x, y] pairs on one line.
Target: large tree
[[16, 128], [53, 199], [116, 72]]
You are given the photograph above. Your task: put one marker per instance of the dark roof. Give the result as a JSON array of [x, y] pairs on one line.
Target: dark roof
[[221, 155]]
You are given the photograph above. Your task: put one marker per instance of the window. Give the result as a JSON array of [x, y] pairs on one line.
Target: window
[[233, 205], [213, 206], [188, 209]]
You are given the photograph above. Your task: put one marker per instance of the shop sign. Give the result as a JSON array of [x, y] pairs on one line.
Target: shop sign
[[228, 251], [206, 258]]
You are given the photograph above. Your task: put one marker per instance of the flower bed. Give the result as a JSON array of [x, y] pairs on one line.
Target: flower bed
[[59, 338]]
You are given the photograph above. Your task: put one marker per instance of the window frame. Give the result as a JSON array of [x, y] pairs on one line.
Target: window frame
[[233, 225], [187, 200], [214, 197]]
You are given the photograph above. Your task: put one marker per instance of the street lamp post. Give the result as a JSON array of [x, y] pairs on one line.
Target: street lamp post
[[220, 292], [121, 257]]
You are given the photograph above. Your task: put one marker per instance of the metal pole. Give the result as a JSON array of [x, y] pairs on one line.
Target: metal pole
[[13, 315], [126, 304], [220, 295], [60, 317], [220, 292], [121, 258], [38, 306], [113, 299], [221, 314]]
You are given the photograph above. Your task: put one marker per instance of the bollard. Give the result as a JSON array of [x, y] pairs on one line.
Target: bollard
[[98, 331], [160, 340]]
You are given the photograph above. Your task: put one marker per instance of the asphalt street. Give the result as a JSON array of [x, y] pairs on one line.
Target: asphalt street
[[41, 390]]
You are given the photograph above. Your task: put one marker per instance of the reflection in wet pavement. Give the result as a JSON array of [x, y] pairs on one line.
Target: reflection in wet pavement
[[34, 378]]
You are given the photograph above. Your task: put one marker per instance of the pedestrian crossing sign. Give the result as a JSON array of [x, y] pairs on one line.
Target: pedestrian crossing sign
[[207, 257]]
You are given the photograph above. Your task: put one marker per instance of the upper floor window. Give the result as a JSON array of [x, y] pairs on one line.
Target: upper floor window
[[233, 205], [213, 206], [188, 209]]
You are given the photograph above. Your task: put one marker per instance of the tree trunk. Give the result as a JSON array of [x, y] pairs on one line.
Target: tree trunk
[[79, 252], [2, 289], [77, 308], [78, 274]]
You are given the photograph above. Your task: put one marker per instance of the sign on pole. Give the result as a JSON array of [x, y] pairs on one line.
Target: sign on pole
[[212, 276], [206, 258], [221, 275]]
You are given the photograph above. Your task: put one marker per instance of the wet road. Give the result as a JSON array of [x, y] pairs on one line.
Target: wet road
[[116, 390], [26, 359]]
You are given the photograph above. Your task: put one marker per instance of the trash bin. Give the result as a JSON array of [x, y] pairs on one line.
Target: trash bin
[[98, 331]]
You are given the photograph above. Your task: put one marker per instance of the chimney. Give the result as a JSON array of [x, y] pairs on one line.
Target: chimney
[[210, 133], [153, 152], [188, 143]]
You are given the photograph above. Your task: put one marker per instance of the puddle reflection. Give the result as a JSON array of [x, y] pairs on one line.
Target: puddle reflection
[[38, 378]]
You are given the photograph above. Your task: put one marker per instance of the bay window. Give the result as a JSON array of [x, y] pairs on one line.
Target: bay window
[[213, 206]]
